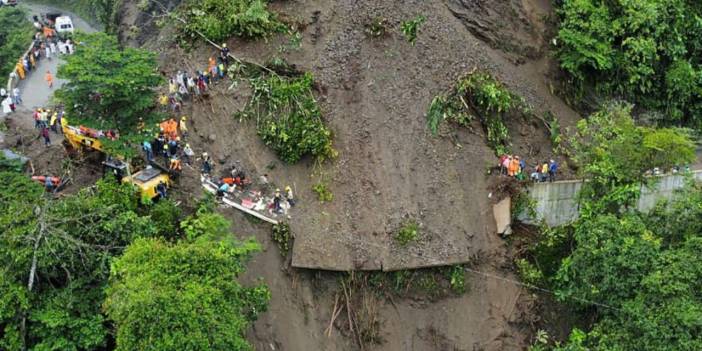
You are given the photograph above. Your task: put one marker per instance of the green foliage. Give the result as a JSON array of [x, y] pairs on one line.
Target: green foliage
[[457, 279], [410, 28], [165, 215], [68, 244], [523, 204], [377, 28], [408, 233], [645, 267], [529, 273], [220, 19], [109, 87], [15, 36], [645, 51], [323, 192], [185, 294], [7, 165], [288, 117], [481, 94], [282, 235], [614, 154]]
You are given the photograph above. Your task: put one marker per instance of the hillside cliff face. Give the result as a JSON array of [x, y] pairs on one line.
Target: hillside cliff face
[[375, 93]]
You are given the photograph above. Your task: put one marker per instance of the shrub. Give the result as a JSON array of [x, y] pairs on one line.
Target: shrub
[[220, 19], [282, 236], [408, 233], [457, 279], [483, 95], [377, 28], [323, 192], [411, 27], [288, 117]]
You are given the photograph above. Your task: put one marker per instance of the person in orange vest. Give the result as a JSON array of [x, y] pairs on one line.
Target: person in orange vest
[[513, 166], [49, 79]]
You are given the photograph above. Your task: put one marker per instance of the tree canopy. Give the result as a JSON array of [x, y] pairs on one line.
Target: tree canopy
[[647, 52], [109, 87], [614, 155], [637, 273], [56, 256], [15, 37]]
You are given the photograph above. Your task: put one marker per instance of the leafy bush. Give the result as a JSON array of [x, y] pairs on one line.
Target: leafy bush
[[529, 273], [377, 28], [288, 117], [410, 28], [408, 233], [457, 279], [481, 94], [281, 235], [220, 19], [323, 192], [645, 51], [15, 36]]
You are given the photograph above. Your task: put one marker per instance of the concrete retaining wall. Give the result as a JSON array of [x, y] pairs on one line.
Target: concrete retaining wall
[[557, 202]]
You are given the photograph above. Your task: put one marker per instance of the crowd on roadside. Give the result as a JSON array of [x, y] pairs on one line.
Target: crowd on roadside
[[45, 45], [515, 166]]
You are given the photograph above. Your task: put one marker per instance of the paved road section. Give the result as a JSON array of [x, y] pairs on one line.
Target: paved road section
[[35, 90]]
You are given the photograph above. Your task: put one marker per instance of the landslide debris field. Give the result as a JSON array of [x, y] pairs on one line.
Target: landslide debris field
[[375, 93]]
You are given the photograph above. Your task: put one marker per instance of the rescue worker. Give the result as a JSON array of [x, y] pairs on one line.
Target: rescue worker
[[223, 189], [182, 126], [224, 54], [161, 189], [187, 153], [289, 196], [552, 169], [45, 135], [49, 79], [148, 150], [206, 163], [276, 202], [175, 164], [52, 123]]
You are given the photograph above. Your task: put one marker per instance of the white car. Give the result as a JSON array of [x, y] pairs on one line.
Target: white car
[[64, 26]]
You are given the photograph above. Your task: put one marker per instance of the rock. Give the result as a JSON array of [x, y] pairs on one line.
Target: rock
[[212, 137], [222, 160]]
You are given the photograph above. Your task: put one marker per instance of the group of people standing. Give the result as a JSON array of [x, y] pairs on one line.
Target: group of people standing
[[185, 85], [10, 100], [49, 119], [168, 144], [514, 166]]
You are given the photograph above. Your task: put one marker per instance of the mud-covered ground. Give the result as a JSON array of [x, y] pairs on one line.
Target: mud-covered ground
[[374, 94]]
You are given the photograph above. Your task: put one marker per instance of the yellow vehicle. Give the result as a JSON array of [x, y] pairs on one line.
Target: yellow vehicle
[[145, 180]]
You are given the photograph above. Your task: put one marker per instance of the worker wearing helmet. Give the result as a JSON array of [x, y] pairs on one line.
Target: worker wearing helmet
[[183, 127], [224, 54], [206, 163], [289, 196]]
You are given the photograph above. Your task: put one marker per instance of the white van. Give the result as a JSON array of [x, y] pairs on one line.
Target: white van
[[64, 26]]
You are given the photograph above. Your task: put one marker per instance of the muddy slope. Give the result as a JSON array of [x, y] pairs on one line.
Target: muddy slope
[[374, 94]]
